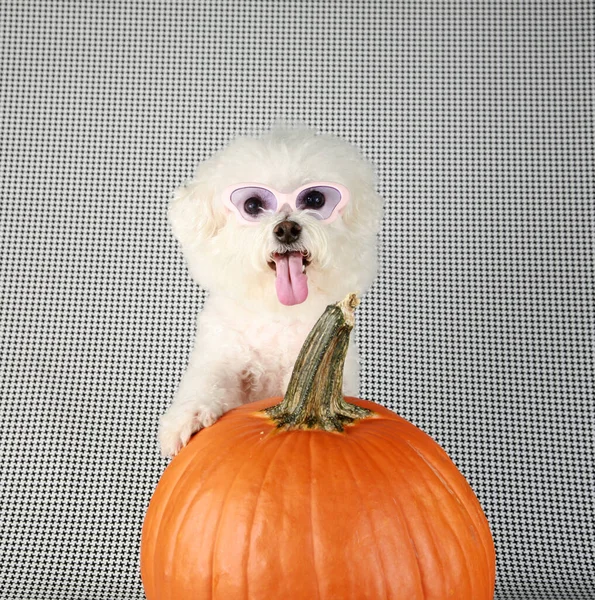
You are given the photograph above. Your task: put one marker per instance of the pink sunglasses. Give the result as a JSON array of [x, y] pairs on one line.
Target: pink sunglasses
[[253, 201]]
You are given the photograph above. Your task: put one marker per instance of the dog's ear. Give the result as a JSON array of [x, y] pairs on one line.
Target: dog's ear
[[195, 213]]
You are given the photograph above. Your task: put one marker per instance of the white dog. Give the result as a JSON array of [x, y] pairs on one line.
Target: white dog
[[275, 228]]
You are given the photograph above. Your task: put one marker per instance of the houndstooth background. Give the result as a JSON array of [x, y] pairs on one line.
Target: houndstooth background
[[479, 119]]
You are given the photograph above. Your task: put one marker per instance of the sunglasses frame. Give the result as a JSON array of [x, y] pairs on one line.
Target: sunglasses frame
[[286, 199]]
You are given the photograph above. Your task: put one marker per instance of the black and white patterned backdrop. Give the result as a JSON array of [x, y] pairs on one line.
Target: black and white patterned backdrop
[[479, 119]]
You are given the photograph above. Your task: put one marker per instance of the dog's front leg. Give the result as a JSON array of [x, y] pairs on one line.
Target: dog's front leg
[[211, 386]]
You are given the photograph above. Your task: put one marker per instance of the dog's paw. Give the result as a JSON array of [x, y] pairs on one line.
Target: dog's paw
[[178, 424]]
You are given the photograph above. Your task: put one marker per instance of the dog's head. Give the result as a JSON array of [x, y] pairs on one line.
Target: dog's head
[[286, 219]]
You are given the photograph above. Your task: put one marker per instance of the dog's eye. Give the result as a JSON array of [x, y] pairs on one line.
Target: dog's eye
[[319, 201], [253, 206], [252, 202], [314, 200]]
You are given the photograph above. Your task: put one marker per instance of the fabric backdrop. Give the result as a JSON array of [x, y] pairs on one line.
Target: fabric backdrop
[[479, 329]]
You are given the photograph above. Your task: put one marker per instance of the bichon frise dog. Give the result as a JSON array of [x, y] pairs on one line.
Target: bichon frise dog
[[275, 228]]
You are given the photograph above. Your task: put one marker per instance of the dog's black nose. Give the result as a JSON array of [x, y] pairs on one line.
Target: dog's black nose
[[287, 231]]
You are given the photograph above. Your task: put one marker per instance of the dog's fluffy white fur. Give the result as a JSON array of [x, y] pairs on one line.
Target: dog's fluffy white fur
[[246, 340]]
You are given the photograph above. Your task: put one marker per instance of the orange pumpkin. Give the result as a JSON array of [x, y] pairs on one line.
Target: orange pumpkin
[[315, 497]]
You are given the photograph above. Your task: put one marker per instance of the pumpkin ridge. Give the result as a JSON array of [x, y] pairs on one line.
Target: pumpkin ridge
[[370, 522], [174, 489], [476, 517], [256, 503], [430, 488], [312, 545], [391, 483], [403, 455], [160, 523], [221, 511], [190, 472], [463, 505]]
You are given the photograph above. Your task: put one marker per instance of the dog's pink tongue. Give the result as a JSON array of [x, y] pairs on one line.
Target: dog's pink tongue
[[291, 283]]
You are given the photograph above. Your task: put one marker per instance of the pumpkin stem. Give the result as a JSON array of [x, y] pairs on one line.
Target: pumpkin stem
[[314, 398]]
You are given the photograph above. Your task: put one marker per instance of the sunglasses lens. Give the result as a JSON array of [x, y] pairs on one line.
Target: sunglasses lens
[[253, 203], [319, 201]]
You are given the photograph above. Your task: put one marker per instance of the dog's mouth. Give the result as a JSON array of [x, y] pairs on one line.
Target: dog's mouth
[[306, 259], [291, 282]]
